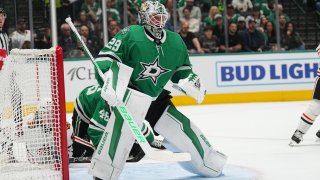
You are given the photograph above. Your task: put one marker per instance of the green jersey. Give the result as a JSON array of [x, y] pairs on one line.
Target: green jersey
[[91, 107], [154, 61]]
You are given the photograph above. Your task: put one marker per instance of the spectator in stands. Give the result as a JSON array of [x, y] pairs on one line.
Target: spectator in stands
[[133, 7], [234, 41], [132, 20], [113, 29], [209, 20], [4, 38], [242, 6], [21, 35], [83, 20], [263, 21], [261, 30], [256, 14], [195, 11], [91, 40], [267, 8], [282, 23], [194, 24], [241, 24], [113, 3], [66, 41], [208, 41], [232, 16], [191, 41], [218, 30], [271, 39], [253, 40], [169, 6], [43, 39], [93, 10], [170, 21], [272, 15], [112, 13], [291, 40], [181, 3], [78, 52], [258, 3], [26, 45]]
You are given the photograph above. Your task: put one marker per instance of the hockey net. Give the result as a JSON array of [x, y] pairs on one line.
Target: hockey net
[[32, 115]]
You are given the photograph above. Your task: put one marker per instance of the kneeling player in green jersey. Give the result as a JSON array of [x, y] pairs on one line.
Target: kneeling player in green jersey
[[90, 116], [156, 56]]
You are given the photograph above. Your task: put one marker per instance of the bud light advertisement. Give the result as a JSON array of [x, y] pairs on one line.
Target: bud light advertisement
[[266, 72]]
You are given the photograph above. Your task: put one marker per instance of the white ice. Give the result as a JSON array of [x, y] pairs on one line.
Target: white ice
[[255, 137]]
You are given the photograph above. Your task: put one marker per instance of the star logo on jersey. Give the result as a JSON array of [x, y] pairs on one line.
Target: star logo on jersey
[[152, 71]]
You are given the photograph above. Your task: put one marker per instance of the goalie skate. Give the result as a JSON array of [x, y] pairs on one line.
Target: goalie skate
[[157, 144]]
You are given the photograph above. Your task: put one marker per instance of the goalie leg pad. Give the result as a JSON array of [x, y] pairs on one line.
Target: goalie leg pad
[[116, 142], [183, 136], [113, 149]]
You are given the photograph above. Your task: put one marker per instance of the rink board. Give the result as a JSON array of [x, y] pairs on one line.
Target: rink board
[[228, 78]]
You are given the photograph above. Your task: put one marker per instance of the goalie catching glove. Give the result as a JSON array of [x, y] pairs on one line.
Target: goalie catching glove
[[191, 86]]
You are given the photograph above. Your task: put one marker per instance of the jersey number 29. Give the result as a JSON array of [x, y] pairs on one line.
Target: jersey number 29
[[114, 44]]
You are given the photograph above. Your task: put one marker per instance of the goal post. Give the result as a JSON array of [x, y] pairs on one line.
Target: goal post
[[33, 129]]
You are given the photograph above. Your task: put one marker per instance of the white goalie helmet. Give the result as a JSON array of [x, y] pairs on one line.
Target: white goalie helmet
[[153, 15]]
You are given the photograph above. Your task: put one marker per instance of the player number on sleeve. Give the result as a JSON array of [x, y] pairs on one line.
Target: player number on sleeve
[[114, 44], [104, 115]]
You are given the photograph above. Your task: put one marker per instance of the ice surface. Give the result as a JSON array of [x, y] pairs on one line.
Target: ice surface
[[255, 137]]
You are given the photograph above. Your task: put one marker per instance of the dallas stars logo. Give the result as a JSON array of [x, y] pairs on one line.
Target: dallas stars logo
[[152, 71]]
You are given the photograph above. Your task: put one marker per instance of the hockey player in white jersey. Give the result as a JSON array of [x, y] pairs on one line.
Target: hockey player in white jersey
[[310, 115]]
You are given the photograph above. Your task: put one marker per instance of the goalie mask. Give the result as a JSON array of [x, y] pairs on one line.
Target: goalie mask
[[153, 16]]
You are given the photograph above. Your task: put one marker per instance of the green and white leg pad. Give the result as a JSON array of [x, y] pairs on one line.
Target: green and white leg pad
[[114, 147], [183, 136]]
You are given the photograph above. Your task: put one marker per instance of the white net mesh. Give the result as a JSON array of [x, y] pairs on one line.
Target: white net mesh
[[30, 146]]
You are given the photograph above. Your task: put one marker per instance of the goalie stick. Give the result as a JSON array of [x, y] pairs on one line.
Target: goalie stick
[[167, 156]]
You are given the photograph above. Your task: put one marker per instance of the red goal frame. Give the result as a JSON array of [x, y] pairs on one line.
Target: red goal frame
[[62, 112]]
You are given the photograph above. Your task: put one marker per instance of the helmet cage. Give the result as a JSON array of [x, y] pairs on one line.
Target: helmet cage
[[154, 14]]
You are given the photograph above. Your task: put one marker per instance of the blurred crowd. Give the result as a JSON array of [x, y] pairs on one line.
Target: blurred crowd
[[250, 25]]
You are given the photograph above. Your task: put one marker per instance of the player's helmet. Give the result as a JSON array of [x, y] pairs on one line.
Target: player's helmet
[[153, 15], [2, 11]]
